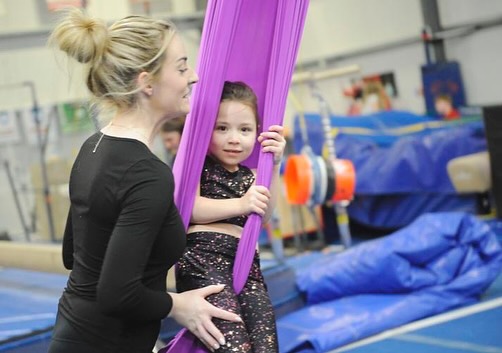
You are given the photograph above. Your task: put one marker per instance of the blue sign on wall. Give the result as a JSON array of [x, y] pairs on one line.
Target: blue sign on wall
[[442, 79]]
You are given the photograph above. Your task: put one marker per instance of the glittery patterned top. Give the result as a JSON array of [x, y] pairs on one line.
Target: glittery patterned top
[[218, 183]]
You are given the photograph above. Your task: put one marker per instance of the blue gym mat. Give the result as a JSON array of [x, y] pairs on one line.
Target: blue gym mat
[[28, 306], [478, 332], [29, 300]]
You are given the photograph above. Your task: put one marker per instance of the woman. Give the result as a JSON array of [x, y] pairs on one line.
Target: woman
[[123, 231]]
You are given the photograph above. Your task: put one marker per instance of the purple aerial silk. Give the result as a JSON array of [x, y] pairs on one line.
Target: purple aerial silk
[[254, 41]]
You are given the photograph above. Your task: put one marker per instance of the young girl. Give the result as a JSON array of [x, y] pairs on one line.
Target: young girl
[[226, 196]]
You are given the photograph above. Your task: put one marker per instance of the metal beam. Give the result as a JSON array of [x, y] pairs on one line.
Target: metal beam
[[38, 38], [444, 34], [432, 22]]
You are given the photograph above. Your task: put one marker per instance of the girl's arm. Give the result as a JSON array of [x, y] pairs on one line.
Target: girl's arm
[[208, 210], [257, 199]]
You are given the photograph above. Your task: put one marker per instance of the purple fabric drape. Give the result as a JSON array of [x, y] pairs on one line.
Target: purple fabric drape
[[290, 17], [254, 41]]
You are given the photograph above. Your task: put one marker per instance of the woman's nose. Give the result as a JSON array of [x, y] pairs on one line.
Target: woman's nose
[[194, 77]]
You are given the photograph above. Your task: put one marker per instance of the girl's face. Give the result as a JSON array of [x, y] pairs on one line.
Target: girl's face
[[234, 134]]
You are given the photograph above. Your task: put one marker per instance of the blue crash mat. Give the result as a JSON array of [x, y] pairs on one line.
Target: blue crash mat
[[439, 262]]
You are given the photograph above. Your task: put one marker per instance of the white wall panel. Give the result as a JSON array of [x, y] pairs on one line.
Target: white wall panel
[[40, 66], [340, 26], [333, 28], [457, 12], [479, 56], [19, 16]]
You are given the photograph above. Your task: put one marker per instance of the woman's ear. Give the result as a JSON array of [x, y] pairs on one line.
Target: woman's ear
[[145, 82]]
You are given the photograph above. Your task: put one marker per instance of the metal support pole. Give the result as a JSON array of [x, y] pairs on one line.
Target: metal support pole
[[432, 21], [298, 223], [342, 218], [16, 200], [42, 145], [276, 239]]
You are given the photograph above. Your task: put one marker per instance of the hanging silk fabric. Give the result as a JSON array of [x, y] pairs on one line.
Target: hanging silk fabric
[[254, 41]]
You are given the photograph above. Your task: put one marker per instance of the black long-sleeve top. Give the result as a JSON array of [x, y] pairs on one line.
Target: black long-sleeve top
[[122, 235]]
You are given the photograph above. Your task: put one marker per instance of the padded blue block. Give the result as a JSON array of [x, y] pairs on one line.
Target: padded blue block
[[284, 294]]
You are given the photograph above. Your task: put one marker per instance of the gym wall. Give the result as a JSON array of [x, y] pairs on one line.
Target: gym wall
[[379, 36]]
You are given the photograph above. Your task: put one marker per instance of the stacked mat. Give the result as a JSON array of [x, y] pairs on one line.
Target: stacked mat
[[439, 262]]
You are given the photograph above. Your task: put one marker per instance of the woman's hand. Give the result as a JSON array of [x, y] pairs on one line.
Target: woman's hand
[[255, 200], [273, 141], [191, 310]]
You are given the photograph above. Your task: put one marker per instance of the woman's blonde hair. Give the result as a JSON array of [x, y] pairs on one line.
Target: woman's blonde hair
[[115, 55]]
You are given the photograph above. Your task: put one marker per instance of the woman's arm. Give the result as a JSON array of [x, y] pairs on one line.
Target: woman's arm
[[68, 243]]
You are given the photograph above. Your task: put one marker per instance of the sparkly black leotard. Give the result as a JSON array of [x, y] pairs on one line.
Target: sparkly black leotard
[[209, 259], [218, 183]]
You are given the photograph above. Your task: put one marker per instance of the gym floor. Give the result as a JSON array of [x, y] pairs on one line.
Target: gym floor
[[29, 302], [475, 328]]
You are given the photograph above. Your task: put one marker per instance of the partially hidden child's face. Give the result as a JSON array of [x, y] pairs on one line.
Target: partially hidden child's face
[[234, 134], [171, 141], [442, 106]]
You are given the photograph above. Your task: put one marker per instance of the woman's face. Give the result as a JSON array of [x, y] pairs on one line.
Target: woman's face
[[172, 87], [234, 134]]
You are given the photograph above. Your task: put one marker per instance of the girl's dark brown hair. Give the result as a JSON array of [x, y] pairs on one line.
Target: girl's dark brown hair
[[241, 92]]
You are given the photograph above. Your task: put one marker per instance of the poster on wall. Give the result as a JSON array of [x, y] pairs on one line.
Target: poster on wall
[[47, 116], [443, 90], [54, 5], [75, 117], [9, 132], [371, 94]]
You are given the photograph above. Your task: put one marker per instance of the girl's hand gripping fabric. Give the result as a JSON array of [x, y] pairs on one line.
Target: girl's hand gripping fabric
[[273, 141]]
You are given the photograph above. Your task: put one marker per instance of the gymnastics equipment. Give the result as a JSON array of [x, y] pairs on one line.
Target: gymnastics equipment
[[439, 262], [15, 195], [32, 256], [297, 216], [42, 145], [308, 76], [255, 41], [342, 218], [311, 180], [470, 173]]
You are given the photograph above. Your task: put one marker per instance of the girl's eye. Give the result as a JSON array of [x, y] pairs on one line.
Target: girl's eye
[[183, 70], [221, 128]]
